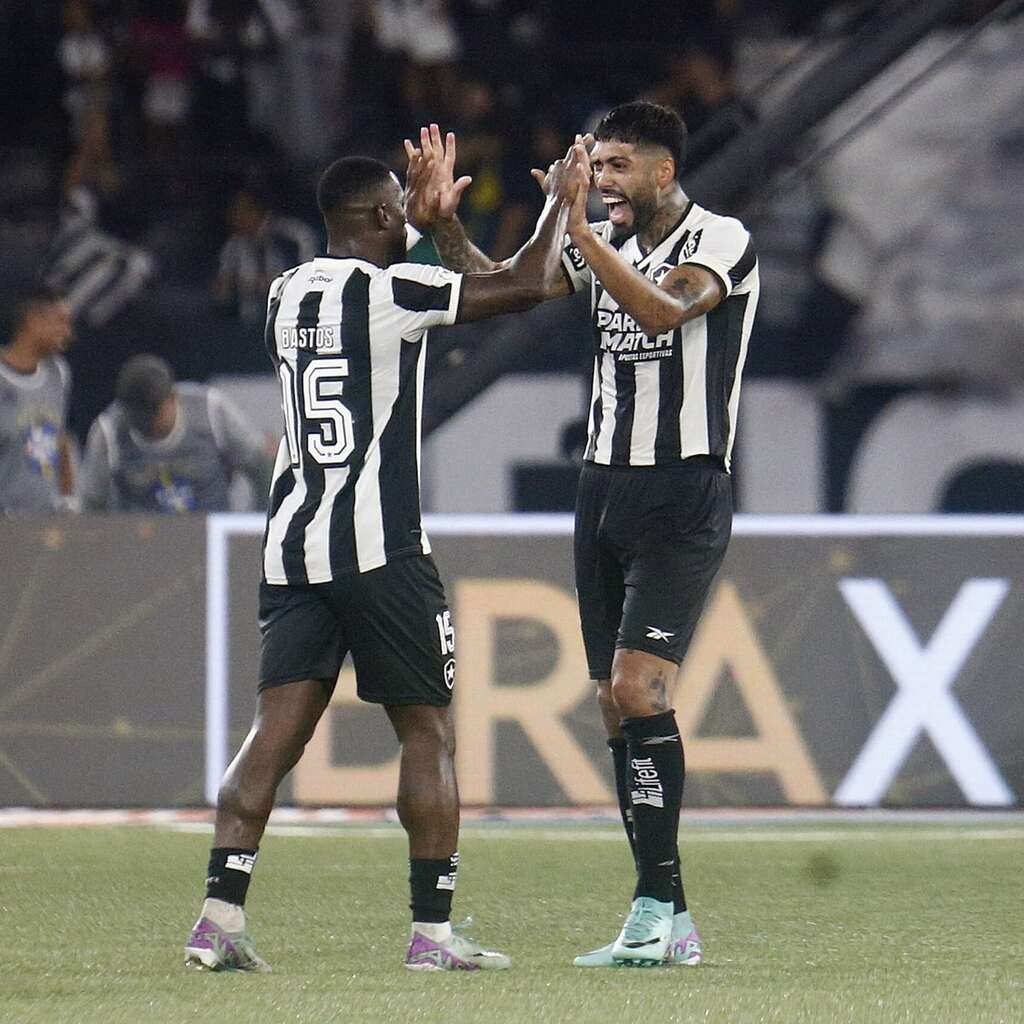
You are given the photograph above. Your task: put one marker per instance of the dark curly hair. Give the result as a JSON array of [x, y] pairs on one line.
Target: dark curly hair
[[645, 124]]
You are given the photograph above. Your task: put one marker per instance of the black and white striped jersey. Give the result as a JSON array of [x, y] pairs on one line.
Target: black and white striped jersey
[[659, 400], [348, 341]]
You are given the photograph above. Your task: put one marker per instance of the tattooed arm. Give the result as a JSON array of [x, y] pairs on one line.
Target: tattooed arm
[[457, 252], [685, 293], [432, 198]]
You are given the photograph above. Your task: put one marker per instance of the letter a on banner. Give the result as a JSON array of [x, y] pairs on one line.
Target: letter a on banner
[[924, 701], [538, 709], [727, 639]]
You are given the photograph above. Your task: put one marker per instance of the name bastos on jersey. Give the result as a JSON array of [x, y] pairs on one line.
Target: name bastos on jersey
[[348, 341], [659, 400]]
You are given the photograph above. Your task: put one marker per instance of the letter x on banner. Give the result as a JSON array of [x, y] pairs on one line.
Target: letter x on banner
[[924, 701]]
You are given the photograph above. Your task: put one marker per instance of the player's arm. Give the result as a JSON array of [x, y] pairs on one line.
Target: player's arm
[[97, 477], [69, 500], [533, 273], [432, 199], [457, 252], [684, 293], [65, 466]]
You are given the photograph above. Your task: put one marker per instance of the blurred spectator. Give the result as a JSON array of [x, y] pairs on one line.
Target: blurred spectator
[[699, 84], [236, 91], [261, 246], [421, 30], [542, 141], [99, 273], [158, 52], [162, 447], [36, 461], [495, 214], [85, 60]]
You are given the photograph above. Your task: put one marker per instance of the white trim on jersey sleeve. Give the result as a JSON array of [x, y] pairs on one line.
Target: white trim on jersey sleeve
[[417, 291], [576, 269], [722, 244], [277, 286]]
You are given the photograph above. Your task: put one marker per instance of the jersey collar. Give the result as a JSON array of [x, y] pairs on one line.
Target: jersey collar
[[22, 380], [665, 245]]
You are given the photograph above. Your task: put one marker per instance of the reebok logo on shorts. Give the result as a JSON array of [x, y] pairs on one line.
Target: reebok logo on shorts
[[653, 633]]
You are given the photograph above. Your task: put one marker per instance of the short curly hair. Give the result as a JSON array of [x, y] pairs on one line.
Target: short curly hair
[[645, 124]]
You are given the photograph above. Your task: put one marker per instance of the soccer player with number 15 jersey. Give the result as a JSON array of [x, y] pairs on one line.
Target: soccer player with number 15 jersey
[[346, 563]]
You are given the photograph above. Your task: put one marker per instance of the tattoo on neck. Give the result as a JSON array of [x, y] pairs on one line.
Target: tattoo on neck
[[661, 225]]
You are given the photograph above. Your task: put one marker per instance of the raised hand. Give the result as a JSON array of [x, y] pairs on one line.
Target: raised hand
[[443, 191], [421, 198], [569, 181], [580, 170], [543, 177]]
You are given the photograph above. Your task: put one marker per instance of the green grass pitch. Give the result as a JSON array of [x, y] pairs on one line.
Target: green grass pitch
[[817, 923]]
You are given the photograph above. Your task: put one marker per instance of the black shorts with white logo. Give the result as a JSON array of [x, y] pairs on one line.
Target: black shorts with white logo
[[648, 543], [395, 621]]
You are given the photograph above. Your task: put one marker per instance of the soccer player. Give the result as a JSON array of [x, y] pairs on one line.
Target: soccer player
[[346, 563], [167, 447], [674, 289], [36, 464]]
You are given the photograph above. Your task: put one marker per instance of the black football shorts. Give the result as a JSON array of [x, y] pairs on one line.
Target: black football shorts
[[395, 620], [648, 543]]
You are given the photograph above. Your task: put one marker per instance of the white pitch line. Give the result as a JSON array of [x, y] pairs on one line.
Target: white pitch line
[[575, 835]]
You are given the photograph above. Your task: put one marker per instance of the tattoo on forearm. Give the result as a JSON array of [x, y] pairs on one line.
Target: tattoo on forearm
[[457, 252]]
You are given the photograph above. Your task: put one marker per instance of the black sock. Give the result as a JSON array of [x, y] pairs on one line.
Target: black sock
[[678, 896], [432, 883], [620, 759], [656, 794], [229, 874]]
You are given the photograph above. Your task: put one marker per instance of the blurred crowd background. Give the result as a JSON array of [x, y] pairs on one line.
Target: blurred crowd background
[[159, 157]]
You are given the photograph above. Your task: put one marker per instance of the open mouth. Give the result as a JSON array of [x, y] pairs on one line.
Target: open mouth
[[619, 209]]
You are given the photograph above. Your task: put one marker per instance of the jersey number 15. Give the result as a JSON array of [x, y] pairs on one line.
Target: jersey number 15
[[312, 397]]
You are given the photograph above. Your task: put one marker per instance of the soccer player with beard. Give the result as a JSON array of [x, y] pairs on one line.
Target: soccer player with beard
[[674, 289]]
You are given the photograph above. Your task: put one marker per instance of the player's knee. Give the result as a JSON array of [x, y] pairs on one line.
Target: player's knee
[[440, 736], [433, 732], [629, 695]]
